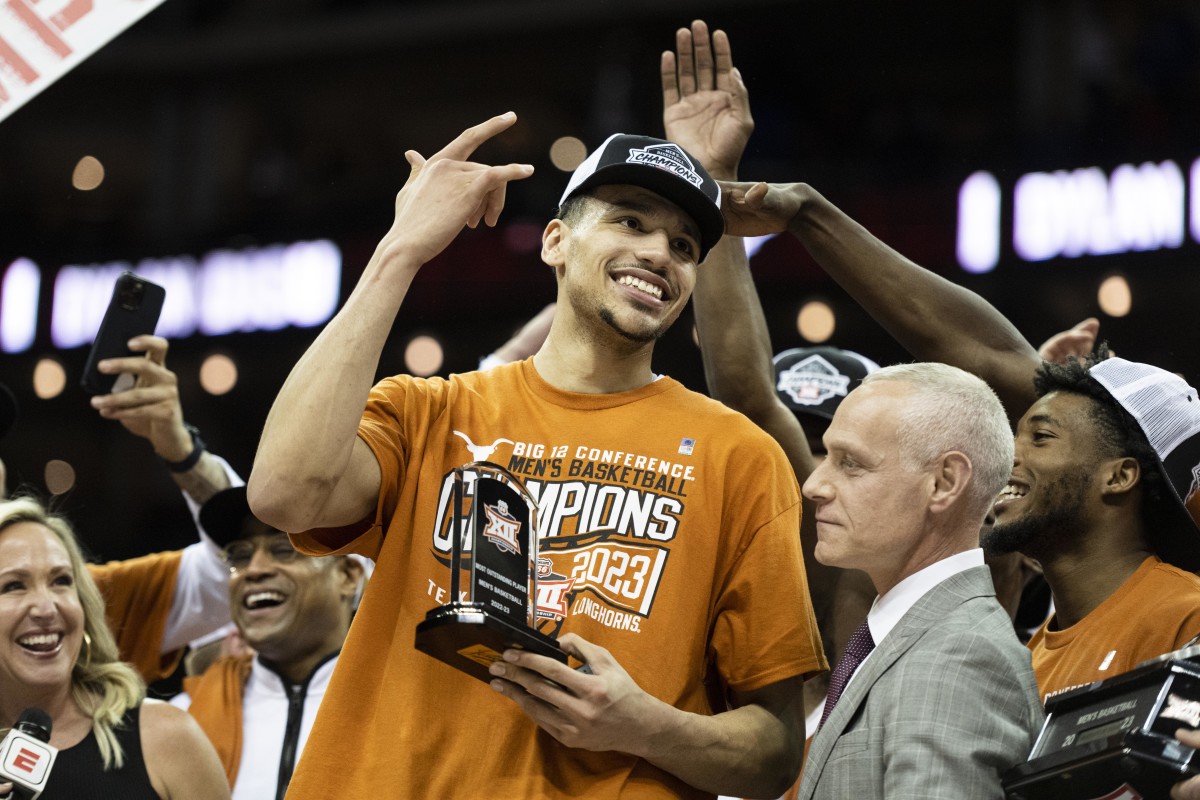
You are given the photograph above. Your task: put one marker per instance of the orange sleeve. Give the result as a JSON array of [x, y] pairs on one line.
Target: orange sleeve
[[138, 594]]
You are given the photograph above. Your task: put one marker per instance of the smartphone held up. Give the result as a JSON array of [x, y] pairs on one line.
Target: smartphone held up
[[133, 311]]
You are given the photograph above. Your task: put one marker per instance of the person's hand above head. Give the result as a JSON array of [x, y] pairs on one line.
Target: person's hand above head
[[758, 209], [446, 192], [151, 409], [1078, 341], [706, 109]]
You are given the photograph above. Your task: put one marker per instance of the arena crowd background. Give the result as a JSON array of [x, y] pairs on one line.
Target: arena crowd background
[[221, 133]]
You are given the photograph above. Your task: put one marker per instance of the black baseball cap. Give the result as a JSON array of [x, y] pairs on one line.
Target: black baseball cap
[[815, 380], [664, 168], [226, 517]]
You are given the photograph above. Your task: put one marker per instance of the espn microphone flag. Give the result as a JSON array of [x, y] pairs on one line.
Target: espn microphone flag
[[42, 40], [25, 755]]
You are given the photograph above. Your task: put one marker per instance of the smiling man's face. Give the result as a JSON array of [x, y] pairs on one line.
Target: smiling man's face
[[627, 259], [1044, 508], [284, 604]]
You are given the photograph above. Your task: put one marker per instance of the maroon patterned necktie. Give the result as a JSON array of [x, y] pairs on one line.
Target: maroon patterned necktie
[[857, 649]]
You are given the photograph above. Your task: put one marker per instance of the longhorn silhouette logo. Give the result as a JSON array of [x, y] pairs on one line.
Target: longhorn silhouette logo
[[481, 452]]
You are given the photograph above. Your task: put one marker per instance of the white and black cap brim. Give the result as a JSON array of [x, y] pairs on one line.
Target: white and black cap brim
[[664, 168], [1167, 410]]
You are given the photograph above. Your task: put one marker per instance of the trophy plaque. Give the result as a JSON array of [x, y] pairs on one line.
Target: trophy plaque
[[1115, 739], [498, 609]]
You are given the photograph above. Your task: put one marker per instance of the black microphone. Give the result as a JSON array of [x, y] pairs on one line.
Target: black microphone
[[26, 754]]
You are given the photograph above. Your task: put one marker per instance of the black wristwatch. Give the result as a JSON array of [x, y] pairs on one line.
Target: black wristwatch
[[193, 457]]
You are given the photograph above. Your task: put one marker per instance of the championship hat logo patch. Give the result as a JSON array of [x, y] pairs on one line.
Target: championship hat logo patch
[[669, 157], [812, 381]]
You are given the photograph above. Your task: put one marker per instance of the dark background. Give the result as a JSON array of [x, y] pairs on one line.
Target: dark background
[[231, 124]]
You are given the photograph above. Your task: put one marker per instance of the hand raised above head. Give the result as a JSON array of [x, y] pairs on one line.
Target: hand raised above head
[[757, 209], [1078, 341], [446, 192], [706, 108], [151, 409]]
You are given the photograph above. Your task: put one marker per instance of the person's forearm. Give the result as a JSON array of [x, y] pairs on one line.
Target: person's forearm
[[744, 752], [736, 349], [310, 432], [934, 319], [734, 342], [203, 480]]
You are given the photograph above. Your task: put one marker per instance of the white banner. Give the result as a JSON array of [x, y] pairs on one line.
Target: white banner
[[41, 40]]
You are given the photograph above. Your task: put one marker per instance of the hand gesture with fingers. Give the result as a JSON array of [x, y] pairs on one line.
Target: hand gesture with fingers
[[1078, 341], [447, 191], [603, 710], [151, 408], [706, 108], [756, 209]]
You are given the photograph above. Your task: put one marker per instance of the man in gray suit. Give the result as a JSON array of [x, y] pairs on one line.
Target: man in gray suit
[[945, 699]]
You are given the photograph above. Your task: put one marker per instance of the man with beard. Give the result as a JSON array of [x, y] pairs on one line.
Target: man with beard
[[1087, 500], [674, 518], [1105, 459]]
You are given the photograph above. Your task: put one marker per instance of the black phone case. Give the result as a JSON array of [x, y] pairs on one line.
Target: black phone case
[[120, 324]]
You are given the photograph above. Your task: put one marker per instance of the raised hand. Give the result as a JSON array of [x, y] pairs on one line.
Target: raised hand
[[706, 108], [151, 408], [757, 209], [1079, 341], [446, 192]]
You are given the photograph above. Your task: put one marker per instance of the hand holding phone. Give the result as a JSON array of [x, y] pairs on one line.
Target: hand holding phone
[[133, 310]]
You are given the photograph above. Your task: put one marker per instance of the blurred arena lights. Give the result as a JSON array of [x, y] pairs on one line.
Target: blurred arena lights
[[59, 476], [979, 223], [49, 378], [567, 153], [88, 174], [18, 305], [816, 321], [1087, 211], [1114, 296], [224, 291], [218, 374], [424, 356]]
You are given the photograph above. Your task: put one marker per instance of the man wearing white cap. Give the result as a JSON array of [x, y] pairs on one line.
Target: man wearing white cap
[[671, 519]]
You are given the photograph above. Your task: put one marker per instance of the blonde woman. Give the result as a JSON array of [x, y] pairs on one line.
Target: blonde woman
[[57, 654]]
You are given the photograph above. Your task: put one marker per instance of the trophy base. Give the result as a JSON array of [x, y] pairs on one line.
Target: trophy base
[[469, 639], [1115, 739], [1129, 768]]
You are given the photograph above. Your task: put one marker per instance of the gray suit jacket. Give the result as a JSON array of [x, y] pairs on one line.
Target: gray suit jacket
[[944, 704]]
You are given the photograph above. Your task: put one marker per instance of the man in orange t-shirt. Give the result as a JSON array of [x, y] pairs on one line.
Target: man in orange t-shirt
[[669, 521]]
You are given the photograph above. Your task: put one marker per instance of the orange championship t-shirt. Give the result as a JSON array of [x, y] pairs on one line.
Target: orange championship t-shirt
[[1156, 610], [671, 526]]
